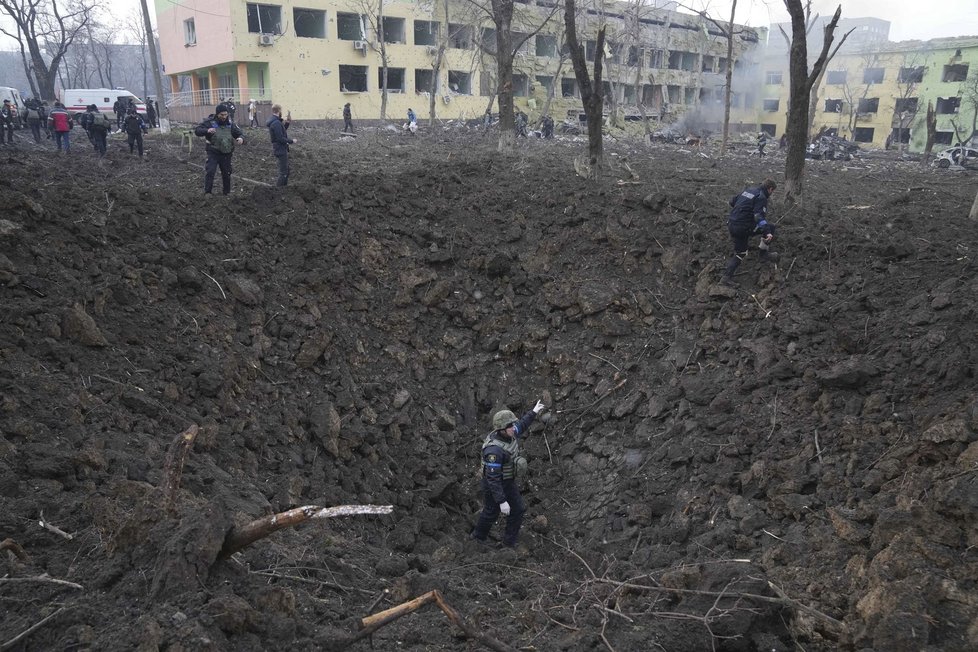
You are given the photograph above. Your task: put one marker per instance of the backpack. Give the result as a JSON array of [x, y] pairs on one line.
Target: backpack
[[222, 140], [87, 120], [100, 122]]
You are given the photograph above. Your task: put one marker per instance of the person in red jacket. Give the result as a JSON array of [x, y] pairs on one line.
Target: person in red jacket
[[60, 121]]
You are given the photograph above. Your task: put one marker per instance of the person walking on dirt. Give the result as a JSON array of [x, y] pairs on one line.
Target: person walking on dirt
[[222, 135], [120, 113], [761, 143], [748, 217], [486, 121], [232, 108], [347, 118], [501, 464], [252, 114], [412, 121], [547, 125], [521, 123], [61, 123], [278, 131], [7, 122], [34, 120], [99, 127], [86, 120], [151, 114], [135, 128]]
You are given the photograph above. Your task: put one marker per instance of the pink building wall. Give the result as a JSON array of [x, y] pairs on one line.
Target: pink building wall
[[212, 20]]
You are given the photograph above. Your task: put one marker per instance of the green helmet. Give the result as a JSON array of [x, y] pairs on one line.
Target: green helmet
[[502, 419]]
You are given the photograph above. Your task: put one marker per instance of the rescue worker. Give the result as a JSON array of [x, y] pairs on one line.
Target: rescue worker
[[85, 120], [278, 132], [412, 121], [59, 120], [748, 217], [501, 464], [135, 128], [99, 127], [521, 121], [34, 120], [222, 135], [548, 127], [7, 114], [761, 143], [486, 121]]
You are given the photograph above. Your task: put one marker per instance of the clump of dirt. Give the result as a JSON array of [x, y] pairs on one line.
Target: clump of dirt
[[791, 464]]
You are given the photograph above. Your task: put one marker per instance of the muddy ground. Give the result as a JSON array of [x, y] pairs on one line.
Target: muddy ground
[[790, 465]]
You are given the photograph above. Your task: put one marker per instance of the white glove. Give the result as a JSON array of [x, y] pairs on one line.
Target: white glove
[[504, 508], [539, 407]]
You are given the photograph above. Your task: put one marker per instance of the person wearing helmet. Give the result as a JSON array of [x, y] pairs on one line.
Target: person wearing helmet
[[501, 463]]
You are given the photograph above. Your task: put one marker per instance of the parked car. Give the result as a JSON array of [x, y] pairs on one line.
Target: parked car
[[964, 156]]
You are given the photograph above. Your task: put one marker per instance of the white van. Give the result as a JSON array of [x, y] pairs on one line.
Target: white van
[[12, 94], [76, 100]]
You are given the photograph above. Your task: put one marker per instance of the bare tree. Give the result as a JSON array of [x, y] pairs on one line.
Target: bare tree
[[907, 107], [590, 90], [969, 94], [974, 209], [930, 121], [43, 24], [799, 96], [856, 93], [28, 69]]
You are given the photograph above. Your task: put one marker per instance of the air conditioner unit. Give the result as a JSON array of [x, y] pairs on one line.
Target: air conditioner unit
[[432, 50], [266, 39], [360, 45]]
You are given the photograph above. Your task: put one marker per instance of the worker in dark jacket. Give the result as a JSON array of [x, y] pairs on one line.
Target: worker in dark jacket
[[135, 129], [748, 217], [222, 135], [501, 465], [278, 130]]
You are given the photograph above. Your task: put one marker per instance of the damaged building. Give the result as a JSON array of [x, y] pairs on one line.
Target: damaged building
[[876, 92], [316, 56]]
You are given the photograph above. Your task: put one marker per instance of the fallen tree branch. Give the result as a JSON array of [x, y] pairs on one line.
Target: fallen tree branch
[[176, 455], [372, 623], [15, 549], [241, 537], [53, 528], [27, 632], [44, 579]]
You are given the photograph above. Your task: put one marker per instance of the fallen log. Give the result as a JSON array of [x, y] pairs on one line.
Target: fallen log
[[245, 535], [15, 549], [372, 623]]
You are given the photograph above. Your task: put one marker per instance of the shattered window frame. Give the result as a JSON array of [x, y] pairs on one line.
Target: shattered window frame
[[863, 134], [353, 79], [948, 105], [349, 26], [836, 77], [868, 105], [263, 18], [771, 105], [774, 78], [426, 32], [955, 72], [911, 75], [309, 23], [393, 76], [874, 75]]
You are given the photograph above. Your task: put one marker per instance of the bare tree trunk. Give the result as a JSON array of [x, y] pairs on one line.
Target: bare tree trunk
[[590, 92], [502, 15], [813, 103], [974, 209], [436, 68], [157, 77], [27, 68], [728, 90], [382, 41], [931, 122]]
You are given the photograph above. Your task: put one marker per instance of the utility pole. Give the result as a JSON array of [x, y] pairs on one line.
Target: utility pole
[[155, 62]]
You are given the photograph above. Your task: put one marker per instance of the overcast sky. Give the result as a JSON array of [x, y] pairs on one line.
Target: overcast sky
[[910, 19]]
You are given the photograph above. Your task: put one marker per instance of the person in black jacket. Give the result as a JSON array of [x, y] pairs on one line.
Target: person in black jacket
[[501, 465], [278, 131], [748, 217], [135, 128], [222, 135]]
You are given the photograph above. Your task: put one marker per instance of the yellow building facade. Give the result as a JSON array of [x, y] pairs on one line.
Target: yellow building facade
[[878, 96], [315, 56]]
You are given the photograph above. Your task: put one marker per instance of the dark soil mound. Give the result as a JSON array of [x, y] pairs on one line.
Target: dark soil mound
[[787, 465]]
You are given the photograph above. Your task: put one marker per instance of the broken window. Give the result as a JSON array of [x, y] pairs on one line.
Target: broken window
[[863, 134], [546, 83], [309, 23], [651, 94], [522, 39], [873, 76], [546, 45], [947, 105], [488, 39], [460, 82], [568, 87], [690, 96], [722, 64], [349, 27], [635, 55], [425, 32], [674, 94], [675, 60], [708, 62], [900, 136], [424, 80], [833, 106], [836, 77], [906, 105], [264, 19], [868, 105], [955, 73], [521, 85], [912, 75], [353, 79], [393, 30], [943, 137], [459, 36], [628, 95], [769, 129], [657, 58], [395, 79], [770, 105], [773, 77]]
